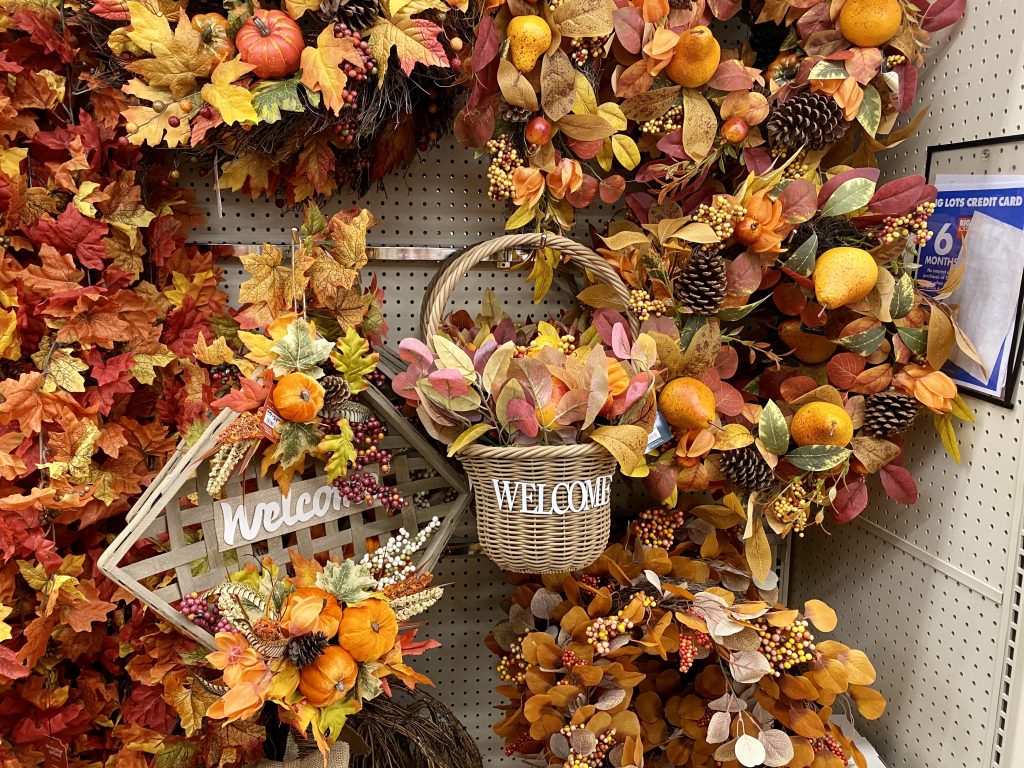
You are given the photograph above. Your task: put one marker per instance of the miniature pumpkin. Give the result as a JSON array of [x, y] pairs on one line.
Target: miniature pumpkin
[[214, 36], [272, 42], [328, 678], [298, 397], [368, 630], [311, 609]]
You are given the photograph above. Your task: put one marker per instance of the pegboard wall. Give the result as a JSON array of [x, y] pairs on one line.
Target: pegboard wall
[[932, 592]]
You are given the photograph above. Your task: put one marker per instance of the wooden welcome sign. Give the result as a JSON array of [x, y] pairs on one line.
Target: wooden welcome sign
[[257, 516]]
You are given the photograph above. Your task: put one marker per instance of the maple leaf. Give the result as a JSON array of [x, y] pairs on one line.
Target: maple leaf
[[10, 346], [22, 401], [302, 350], [248, 170], [232, 101], [321, 67], [350, 307], [123, 209], [146, 362], [11, 465], [271, 97], [251, 394], [96, 320], [155, 127], [414, 40], [273, 287], [60, 367], [188, 699], [314, 170], [74, 233], [179, 57], [72, 451], [296, 8]]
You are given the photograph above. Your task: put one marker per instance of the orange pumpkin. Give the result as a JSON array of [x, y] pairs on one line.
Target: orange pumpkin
[[328, 678], [272, 42], [311, 609], [214, 36], [298, 397], [368, 630]]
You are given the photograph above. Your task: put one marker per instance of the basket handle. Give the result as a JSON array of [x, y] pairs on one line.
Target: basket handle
[[440, 290]]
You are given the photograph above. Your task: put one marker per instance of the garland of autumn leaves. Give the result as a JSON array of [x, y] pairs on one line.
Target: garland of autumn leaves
[[102, 305]]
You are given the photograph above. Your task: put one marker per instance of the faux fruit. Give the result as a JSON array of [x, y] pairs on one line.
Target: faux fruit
[[870, 23], [272, 42], [844, 276], [298, 397], [811, 348], [735, 130], [528, 38], [214, 37], [328, 678], [696, 58], [687, 403], [368, 630], [539, 130], [821, 424], [310, 609], [747, 231]]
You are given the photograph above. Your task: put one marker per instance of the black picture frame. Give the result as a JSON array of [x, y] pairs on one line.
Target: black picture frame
[[1016, 351]]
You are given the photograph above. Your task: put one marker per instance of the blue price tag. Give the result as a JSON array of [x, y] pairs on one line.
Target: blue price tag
[[660, 435]]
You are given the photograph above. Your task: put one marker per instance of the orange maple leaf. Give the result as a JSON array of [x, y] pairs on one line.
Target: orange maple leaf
[[23, 401]]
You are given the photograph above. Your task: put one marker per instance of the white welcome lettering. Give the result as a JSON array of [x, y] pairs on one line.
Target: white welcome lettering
[[565, 497], [269, 516], [235, 519]]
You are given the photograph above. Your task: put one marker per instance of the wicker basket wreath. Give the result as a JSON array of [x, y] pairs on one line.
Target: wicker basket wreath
[[515, 540]]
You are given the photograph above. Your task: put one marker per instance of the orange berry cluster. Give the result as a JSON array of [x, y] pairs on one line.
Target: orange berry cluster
[[656, 526], [605, 742], [792, 506], [605, 629], [512, 666], [785, 647], [914, 226]]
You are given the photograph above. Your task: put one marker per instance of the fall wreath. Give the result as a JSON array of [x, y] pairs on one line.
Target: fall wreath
[[292, 101], [572, 99]]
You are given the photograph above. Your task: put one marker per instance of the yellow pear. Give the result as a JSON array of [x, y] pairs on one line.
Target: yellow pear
[[808, 348], [870, 23], [696, 58], [844, 276], [687, 403], [821, 424], [528, 38]]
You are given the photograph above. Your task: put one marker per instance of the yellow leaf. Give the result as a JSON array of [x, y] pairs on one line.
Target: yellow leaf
[[232, 101], [146, 364], [858, 667], [5, 628], [944, 424], [961, 410], [60, 367], [248, 169], [613, 115], [586, 102], [273, 287], [413, 40], [10, 347], [10, 161], [627, 443], [524, 215], [732, 436], [468, 437], [870, 703], [605, 155], [179, 57], [81, 199], [820, 615], [296, 8], [700, 125], [321, 67], [626, 151], [451, 355], [258, 346], [758, 553]]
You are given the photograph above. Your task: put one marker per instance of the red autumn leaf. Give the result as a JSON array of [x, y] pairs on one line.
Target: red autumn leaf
[[660, 482], [942, 13], [629, 28], [522, 417], [728, 399], [10, 668], [725, 9], [252, 394], [844, 368], [873, 380], [812, 315], [898, 197], [789, 298], [672, 145], [611, 189], [145, 706], [899, 484], [907, 73], [863, 64], [814, 21], [583, 196], [851, 499], [732, 75], [744, 274], [44, 34], [727, 362], [74, 233], [757, 160], [799, 201], [796, 386], [585, 150]]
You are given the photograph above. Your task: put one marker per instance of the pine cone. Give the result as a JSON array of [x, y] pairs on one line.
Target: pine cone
[[808, 119], [357, 14], [887, 413], [305, 649], [515, 114], [336, 394], [746, 468], [766, 42], [700, 287]]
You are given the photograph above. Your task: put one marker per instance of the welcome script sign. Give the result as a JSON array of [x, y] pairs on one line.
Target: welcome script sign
[[257, 516], [557, 499]]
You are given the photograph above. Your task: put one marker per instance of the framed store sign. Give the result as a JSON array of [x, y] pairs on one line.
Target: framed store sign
[[978, 227]]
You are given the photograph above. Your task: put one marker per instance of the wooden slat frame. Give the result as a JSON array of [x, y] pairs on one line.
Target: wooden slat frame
[[159, 516]]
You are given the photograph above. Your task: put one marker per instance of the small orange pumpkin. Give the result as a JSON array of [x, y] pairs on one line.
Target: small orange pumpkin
[[214, 36], [272, 42], [311, 609], [368, 630], [298, 397], [328, 678]]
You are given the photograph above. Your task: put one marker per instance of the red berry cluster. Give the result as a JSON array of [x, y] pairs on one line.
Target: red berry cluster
[[330, 426], [223, 374], [571, 660], [584, 48], [913, 226], [369, 67], [366, 437], [833, 746], [705, 721], [520, 742], [656, 526], [378, 378], [201, 612], [363, 488]]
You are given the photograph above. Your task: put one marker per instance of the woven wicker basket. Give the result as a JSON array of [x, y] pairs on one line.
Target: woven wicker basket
[[516, 540], [336, 758]]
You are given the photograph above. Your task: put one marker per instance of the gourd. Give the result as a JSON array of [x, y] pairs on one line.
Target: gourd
[[328, 618], [368, 630], [213, 36], [328, 678], [272, 42], [298, 397]]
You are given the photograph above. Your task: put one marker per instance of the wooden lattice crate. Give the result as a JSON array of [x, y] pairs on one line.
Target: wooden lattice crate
[[177, 517]]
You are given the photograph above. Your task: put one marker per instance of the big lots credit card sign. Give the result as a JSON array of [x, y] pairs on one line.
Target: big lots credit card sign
[[980, 219]]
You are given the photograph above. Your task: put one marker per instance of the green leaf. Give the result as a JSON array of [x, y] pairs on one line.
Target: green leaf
[[342, 452], [850, 196], [772, 429], [468, 437], [944, 424], [368, 685], [295, 441], [299, 351], [176, 754], [693, 324], [828, 70], [902, 297], [865, 342], [817, 458], [731, 314], [271, 97], [313, 221], [348, 581], [803, 258], [916, 339], [870, 114]]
